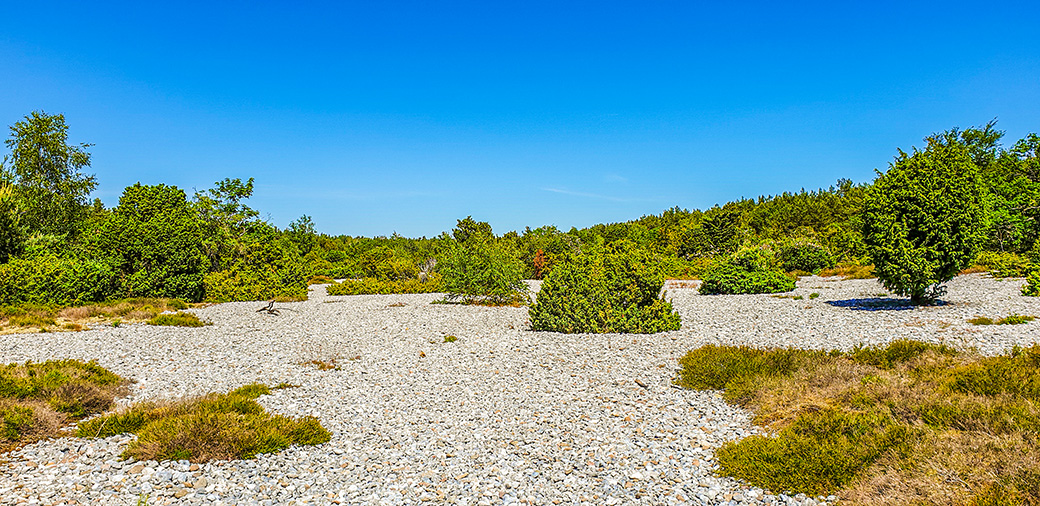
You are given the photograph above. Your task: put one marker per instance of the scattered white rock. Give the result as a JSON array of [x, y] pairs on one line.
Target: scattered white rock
[[501, 416]]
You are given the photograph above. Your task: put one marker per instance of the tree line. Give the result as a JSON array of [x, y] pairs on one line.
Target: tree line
[[57, 246]]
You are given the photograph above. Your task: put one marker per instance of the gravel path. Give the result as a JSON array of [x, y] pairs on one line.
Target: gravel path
[[502, 415]]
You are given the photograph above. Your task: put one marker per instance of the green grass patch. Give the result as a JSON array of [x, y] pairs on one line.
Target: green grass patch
[[178, 319], [214, 427], [1015, 319], [904, 423], [450, 339]]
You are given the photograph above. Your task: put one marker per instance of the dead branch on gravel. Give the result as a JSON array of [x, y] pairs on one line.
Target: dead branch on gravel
[[269, 308]]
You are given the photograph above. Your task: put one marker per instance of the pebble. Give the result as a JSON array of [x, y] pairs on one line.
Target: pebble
[[503, 415]]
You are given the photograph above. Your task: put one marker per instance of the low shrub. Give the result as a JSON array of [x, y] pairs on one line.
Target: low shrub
[[1003, 264], [368, 286], [895, 353], [747, 271], [883, 424], [804, 257], [818, 453], [215, 427], [178, 319], [617, 290], [320, 280], [37, 399]]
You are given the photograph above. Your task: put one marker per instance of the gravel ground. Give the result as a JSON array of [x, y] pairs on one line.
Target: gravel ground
[[502, 415]]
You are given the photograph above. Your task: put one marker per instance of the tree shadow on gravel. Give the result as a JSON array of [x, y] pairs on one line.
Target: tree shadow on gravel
[[877, 304]]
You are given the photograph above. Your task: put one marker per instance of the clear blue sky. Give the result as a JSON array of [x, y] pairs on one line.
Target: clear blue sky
[[376, 117]]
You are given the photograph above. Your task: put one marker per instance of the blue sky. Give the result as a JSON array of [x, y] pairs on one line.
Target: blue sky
[[382, 117]]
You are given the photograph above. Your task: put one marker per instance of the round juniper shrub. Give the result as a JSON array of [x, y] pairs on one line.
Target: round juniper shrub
[[602, 291], [747, 271]]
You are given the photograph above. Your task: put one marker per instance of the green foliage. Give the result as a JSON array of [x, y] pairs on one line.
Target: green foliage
[[617, 290], [923, 219], [803, 257], [747, 271], [716, 232], [1003, 264], [12, 232], [225, 220], [214, 427], [269, 268], [178, 319], [46, 173], [477, 268], [1032, 286], [819, 453], [46, 278], [154, 240], [367, 286]]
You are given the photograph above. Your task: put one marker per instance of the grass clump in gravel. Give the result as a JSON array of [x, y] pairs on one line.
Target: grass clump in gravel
[[905, 423], [214, 427], [1015, 319], [850, 271], [178, 319], [37, 399]]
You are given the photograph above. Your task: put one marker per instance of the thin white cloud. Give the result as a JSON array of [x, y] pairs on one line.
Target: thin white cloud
[[615, 178], [588, 195]]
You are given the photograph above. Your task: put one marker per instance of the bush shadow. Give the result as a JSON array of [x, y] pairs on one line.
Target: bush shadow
[[877, 304]]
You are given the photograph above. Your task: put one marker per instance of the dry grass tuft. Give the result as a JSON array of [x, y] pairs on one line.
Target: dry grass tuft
[[907, 423], [850, 271], [37, 399], [50, 319], [214, 427]]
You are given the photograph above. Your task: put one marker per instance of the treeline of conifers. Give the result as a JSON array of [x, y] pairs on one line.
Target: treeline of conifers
[[57, 247]]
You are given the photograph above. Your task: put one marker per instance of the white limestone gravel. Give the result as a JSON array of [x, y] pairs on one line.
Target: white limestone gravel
[[503, 415]]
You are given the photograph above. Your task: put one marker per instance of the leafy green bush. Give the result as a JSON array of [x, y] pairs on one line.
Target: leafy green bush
[[49, 279], [482, 269], [381, 286], [214, 427], [804, 257], [747, 271], [923, 219], [153, 238], [271, 268], [1032, 286], [599, 292], [1003, 264], [385, 263]]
